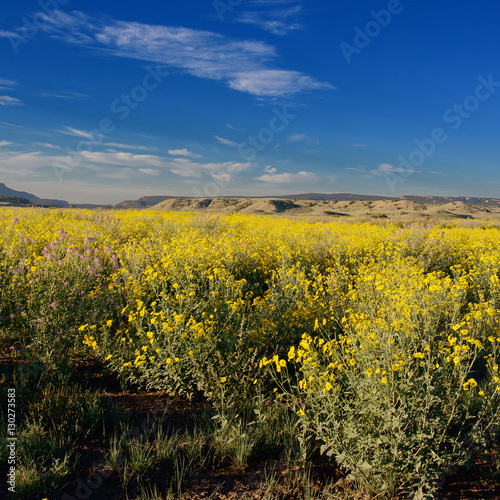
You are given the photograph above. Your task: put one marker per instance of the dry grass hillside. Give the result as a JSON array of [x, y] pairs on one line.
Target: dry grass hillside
[[395, 209]]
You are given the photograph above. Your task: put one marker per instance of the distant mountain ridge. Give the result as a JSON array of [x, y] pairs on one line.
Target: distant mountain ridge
[[146, 202], [12, 193], [150, 201]]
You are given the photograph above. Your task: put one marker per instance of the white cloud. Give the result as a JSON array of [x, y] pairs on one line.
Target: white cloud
[[124, 159], [179, 166], [278, 22], [186, 168], [127, 146], [7, 83], [76, 133], [275, 82], [286, 178], [110, 164], [302, 138], [361, 170], [25, 164], [227, 142], [149, 171], [8, 34], [5, 143], [47, 145], [11, 125], [183, 152], [387, 168], [232, 127], [6, 100], [243, 65], [63, 95]]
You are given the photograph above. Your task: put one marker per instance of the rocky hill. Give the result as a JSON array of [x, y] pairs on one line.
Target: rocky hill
[[401, 208]]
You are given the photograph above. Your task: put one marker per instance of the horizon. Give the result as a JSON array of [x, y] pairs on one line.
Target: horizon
[[106, 103]]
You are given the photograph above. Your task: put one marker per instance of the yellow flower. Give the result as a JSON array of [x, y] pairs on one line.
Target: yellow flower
[[301, 413], [223, 379]]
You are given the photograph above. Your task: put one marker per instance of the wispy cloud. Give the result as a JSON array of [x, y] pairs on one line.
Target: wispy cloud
[[24, 164], [7, 100], [286, 178], [5, 143], [382, 169], [387, 168], [108, 164], [302, 138], [8, 34], [275, 82], [244, 65], [187, 168], [361, 170], [47, 145], [75, 132], [127, 146], [150, 171], [124, 159], [11, 125], [277, 21], [232, 127], [226, 142], [183, 152], [7, 84], [63, 95], [183, 167]]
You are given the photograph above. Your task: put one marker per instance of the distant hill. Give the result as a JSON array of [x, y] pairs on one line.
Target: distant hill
[[14, 201], [151, 201], [144, 202], [355, 208], [7, 191]]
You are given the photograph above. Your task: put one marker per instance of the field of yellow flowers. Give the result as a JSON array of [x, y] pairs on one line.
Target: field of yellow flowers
[[382, 341]]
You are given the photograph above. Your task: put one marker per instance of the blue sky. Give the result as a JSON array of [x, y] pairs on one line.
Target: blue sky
[[106, 101]]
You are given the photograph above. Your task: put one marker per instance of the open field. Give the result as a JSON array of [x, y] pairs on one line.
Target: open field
[[171, 354]]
